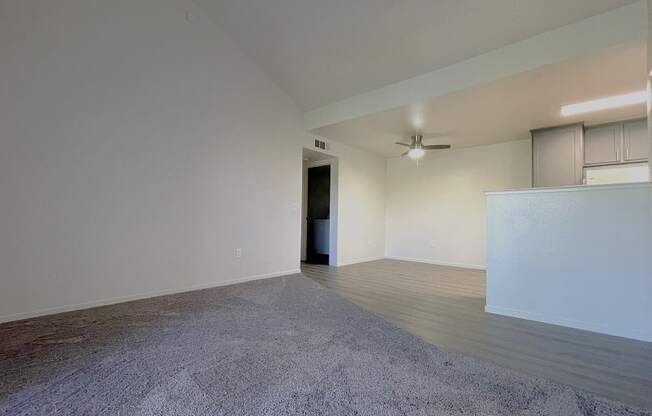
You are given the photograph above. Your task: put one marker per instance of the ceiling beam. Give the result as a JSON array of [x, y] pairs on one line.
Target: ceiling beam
[[602, 31]]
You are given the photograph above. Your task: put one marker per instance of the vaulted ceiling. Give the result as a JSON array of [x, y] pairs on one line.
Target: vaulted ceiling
[[322, 51]]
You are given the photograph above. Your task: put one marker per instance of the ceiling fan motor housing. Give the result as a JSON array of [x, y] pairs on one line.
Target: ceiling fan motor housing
[[417, 141]]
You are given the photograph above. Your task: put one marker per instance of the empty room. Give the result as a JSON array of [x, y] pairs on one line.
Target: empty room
[[325, 207]]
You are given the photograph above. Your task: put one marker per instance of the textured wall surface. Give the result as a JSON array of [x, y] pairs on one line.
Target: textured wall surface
[[579, 257]]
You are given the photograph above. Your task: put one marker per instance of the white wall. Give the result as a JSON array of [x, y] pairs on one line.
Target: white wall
[[578, 256], [436, 209], [137, 151], [648, 17], [361, 203]]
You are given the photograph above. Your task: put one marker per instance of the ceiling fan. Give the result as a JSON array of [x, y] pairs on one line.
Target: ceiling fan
[[417, 149]]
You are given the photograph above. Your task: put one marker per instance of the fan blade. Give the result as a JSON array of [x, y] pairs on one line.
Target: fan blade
[[405, 153], [403, 144], [437, 146]]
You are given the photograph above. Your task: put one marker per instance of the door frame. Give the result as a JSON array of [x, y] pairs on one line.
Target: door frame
[[332, 161]]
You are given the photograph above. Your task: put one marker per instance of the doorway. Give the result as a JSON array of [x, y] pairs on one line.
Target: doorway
[[318, 214], [319, 208]]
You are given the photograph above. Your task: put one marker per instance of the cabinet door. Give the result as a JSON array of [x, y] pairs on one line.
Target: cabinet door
[[557, 156], [636, 140], [602, 144]]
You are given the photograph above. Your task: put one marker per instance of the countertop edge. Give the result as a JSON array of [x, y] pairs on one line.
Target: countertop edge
[[574, 188]]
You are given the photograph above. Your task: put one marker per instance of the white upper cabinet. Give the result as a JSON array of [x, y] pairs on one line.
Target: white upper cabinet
[[602, 144], [636, 143]]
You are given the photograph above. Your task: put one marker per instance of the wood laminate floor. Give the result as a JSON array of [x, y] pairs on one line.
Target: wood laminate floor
[[445, 306]]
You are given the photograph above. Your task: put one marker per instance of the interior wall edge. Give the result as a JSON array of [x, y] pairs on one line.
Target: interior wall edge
[[440, 263], [361, 260], [129, 298], [571, 323]]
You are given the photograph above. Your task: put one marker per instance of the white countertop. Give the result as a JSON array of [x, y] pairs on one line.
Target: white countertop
[[574, 188]]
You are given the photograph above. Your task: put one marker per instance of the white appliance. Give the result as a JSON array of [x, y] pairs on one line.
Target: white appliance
[[320, 236], [630, 173]]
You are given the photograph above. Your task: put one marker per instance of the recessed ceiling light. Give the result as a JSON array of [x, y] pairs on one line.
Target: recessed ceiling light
[[638, 97]]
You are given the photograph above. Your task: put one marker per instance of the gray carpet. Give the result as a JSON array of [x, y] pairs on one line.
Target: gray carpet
[[283, 346]]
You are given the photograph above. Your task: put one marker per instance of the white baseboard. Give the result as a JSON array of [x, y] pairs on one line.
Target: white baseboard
[[356, 261], [440, 263], [556, 320], [129, 298]]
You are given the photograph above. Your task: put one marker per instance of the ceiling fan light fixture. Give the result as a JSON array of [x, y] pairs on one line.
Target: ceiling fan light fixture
[[416, 153]]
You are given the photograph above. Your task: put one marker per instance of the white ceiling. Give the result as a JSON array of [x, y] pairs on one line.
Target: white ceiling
[[507, 109], [321, 51]]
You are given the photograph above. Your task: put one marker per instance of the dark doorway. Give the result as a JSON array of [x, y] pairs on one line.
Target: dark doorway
[[318, 215]]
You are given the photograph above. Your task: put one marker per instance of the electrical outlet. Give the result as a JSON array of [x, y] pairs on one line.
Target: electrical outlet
[[238, 253]]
